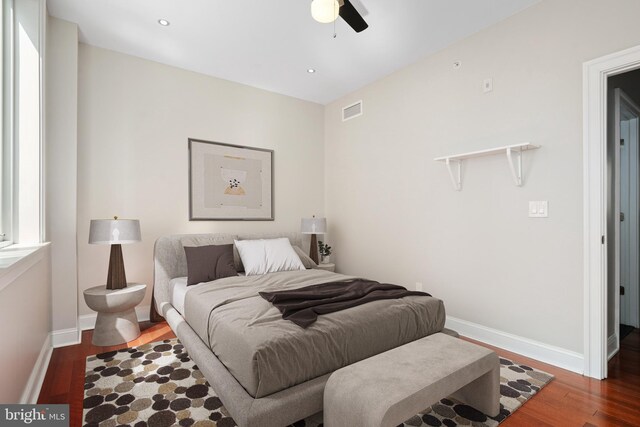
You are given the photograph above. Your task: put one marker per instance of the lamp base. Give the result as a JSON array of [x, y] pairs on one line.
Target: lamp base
[[116, 278], [313, 249]]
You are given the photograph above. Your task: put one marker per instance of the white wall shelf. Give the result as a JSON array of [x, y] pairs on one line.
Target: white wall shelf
[[512, 152]]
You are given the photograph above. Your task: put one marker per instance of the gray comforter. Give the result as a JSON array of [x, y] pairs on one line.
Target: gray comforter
[[267, 354]]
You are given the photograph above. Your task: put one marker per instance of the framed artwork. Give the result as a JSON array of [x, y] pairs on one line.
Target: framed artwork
[[229, 182]]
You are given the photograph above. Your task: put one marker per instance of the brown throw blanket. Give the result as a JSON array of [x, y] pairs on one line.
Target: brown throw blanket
[[302, 306]]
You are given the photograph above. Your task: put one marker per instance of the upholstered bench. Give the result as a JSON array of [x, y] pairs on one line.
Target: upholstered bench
[[391, 387]]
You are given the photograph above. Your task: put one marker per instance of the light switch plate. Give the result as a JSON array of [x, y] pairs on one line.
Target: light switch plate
[[539, 209]]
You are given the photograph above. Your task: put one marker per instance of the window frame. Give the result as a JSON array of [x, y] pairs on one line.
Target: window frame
[[8, 124], [23, 30]]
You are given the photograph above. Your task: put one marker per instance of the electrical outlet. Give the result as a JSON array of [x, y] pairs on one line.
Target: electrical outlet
[[487, 85], [419, 286]]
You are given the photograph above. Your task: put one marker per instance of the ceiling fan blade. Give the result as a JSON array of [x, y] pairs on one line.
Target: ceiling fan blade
[[352, 17]]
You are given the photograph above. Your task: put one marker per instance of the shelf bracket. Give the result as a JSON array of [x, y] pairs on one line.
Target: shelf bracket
[[456, 177], [516, 169]]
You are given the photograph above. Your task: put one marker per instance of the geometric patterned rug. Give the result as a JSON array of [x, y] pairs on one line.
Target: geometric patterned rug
[[158, 385]]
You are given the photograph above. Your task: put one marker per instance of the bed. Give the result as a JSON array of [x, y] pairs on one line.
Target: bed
[[266, 370]]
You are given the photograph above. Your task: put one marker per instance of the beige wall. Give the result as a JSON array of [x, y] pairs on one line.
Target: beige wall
[[25, 316], [393, 213], [134, 118], [61, 151]]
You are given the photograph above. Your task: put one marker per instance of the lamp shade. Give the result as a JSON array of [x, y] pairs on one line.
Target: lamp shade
[[114, 231], [314, 225], [325, 11]]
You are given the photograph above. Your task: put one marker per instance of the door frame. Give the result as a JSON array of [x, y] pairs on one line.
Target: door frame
[[595, 191]]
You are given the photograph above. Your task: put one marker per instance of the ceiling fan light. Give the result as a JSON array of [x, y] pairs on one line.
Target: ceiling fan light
[[325, 11]]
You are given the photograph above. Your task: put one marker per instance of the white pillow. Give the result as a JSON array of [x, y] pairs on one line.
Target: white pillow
[[268, 256]]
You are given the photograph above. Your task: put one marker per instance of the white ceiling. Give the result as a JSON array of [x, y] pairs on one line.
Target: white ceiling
[[271, 44]]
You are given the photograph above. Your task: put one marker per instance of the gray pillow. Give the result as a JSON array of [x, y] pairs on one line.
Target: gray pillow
[[306, 261], [207, 263]]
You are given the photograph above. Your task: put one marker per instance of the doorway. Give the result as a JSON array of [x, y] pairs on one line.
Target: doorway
[[596, 197], [623, 209]]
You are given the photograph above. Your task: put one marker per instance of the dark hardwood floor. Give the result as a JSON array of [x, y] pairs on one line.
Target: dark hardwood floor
[[573, 400], [570, 400], [64, 381]]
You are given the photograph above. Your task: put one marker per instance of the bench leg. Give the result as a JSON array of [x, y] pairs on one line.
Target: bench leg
[[483, 394]]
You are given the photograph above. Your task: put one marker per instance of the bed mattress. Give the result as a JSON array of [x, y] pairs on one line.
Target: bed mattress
[[267, 354]]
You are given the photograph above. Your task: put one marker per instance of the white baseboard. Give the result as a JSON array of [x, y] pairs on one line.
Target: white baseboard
[[546, 353], [612, 344], [88, 321], [34, 383], [65, 337]]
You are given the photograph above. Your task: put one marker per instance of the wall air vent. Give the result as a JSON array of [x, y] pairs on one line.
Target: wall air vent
[[352, 111]]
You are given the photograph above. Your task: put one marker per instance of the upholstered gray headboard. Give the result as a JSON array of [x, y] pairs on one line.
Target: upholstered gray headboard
[[169, 260]]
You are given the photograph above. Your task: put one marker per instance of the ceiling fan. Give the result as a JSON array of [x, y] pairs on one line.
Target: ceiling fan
[[326, 11]]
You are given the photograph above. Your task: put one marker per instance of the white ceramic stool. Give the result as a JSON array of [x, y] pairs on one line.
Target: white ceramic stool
[[117, 322]]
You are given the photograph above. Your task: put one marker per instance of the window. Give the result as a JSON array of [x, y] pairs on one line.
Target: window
[[22, 124], [5, 130]]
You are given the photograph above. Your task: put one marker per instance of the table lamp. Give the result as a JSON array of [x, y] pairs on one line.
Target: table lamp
[[314, 226], [115, 232]]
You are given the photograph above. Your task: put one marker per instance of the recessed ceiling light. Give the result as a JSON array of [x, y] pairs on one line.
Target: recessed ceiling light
[[164, 22], [311, 70]]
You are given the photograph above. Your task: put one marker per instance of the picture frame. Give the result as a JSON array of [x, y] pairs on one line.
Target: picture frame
[[229, 182]]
